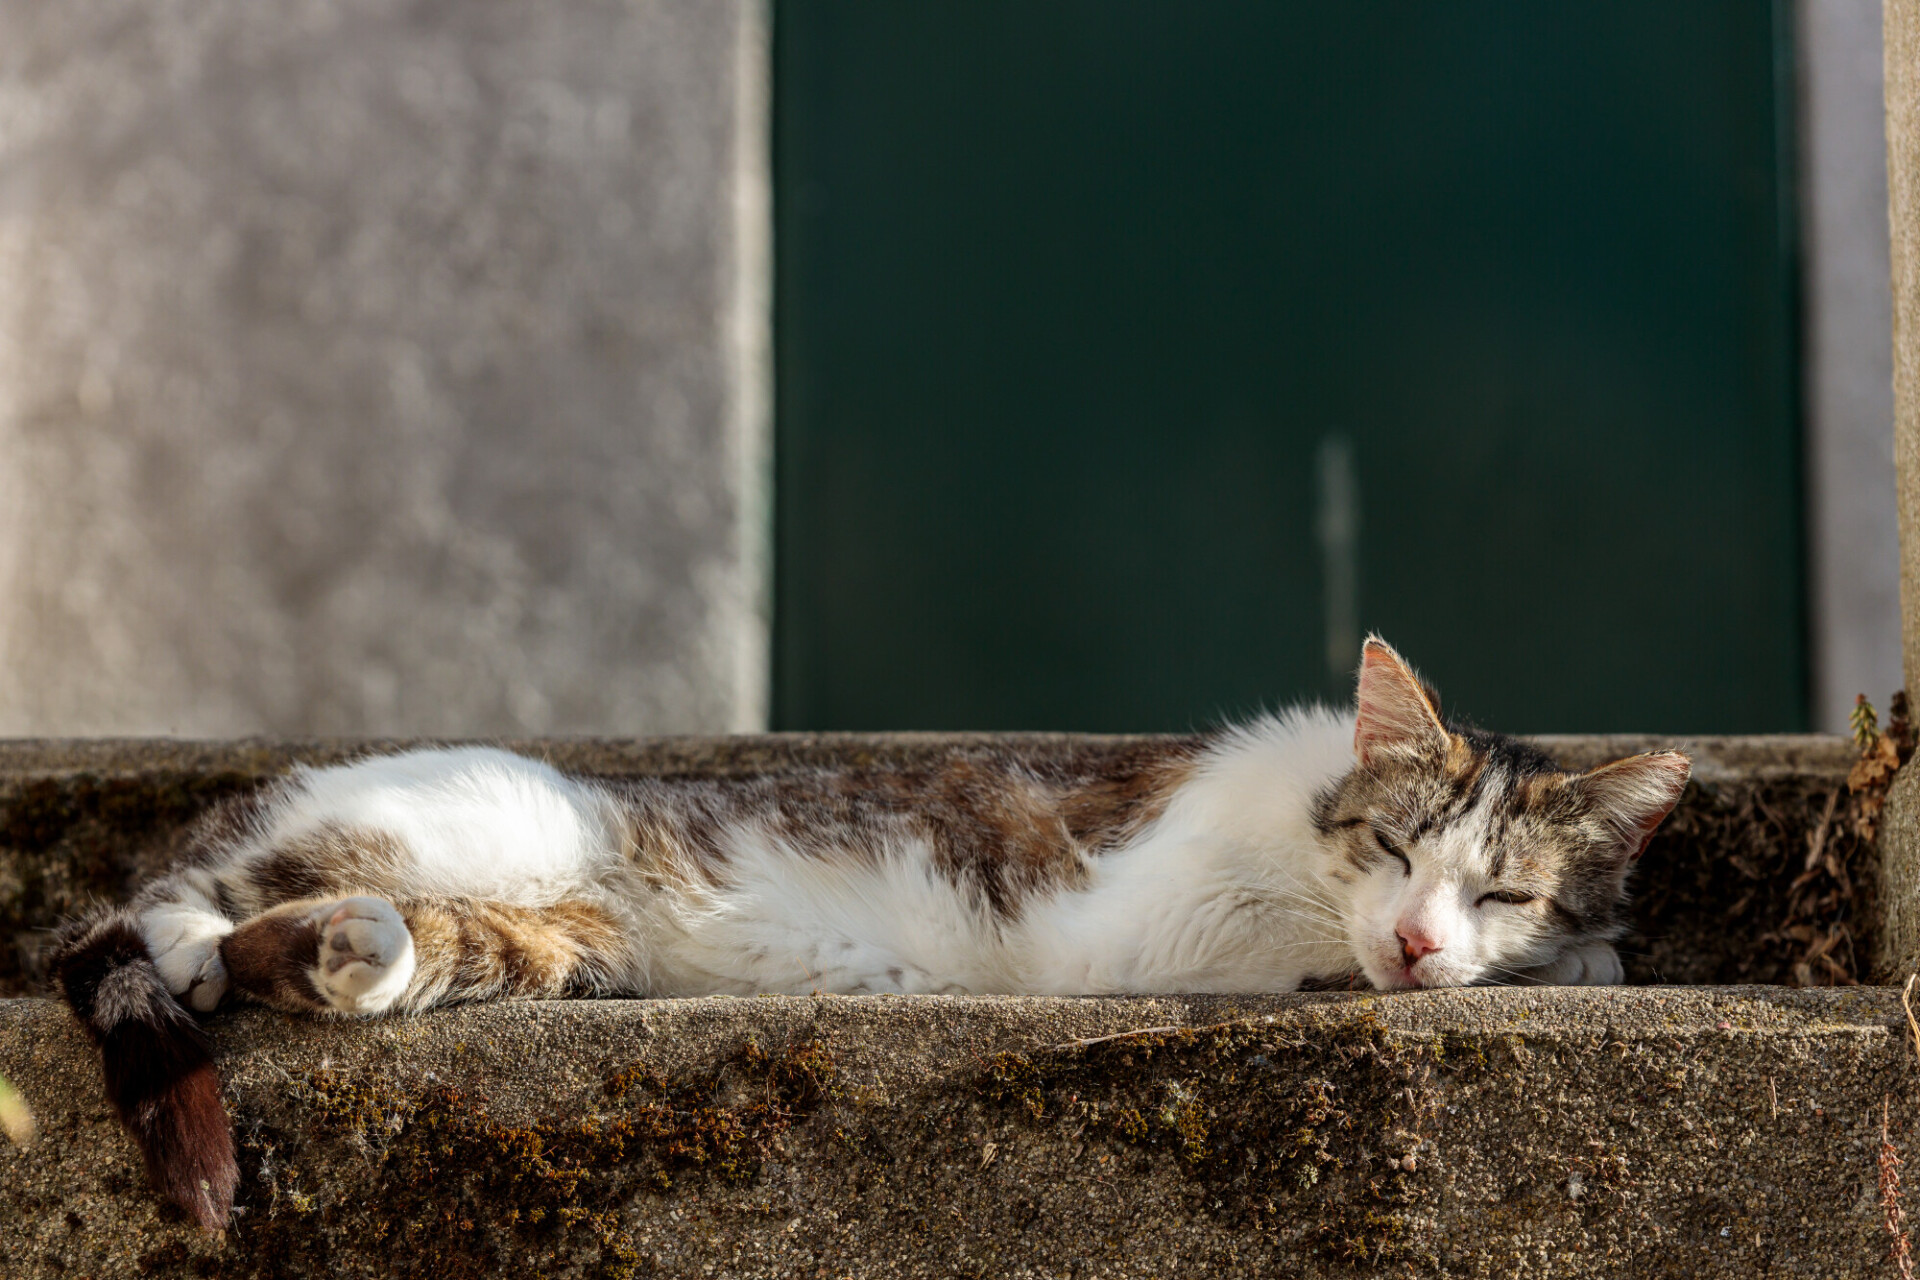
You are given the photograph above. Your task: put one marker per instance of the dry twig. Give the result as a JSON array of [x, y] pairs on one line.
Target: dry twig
[[1890, 1195], [1889, 1160]]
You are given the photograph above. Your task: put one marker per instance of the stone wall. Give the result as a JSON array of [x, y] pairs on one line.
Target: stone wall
[[371, 366]]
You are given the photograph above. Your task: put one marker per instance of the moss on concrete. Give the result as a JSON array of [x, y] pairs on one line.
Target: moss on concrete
[[464, 1194], [1320, 1156], [1489, 1133]]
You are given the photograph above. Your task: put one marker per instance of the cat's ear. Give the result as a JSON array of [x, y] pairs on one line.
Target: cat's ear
[[1397, 713], [1633, 796]]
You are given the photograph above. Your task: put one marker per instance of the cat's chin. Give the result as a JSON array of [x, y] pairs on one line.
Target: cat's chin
[[1393, 978], [1399, 977]]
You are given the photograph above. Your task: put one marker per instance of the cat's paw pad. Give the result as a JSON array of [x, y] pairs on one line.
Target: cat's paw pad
[[366, 955]]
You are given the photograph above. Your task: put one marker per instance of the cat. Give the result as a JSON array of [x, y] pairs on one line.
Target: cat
[[1380, 845]]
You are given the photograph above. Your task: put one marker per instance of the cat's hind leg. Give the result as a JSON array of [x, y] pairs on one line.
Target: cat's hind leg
[[348, 955], [366, 955]]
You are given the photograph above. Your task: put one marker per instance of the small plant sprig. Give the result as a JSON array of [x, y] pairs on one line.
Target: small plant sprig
[[1881, 755], [16, 1121], [1864, 721]]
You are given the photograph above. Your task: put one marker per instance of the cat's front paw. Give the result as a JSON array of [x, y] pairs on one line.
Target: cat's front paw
[[1591, 964], [185, 946], [366, 955]]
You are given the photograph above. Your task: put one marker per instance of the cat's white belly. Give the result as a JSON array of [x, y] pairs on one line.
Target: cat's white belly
[[794, 924], [1154, 922], [790, 922]]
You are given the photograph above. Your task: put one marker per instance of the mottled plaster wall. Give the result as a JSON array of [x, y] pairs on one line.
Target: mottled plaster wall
[[382, 366]]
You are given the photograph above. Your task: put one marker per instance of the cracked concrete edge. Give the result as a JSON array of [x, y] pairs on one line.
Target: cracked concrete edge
[[1732, 1131]]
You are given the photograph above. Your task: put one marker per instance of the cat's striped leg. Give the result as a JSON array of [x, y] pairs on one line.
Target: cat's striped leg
[[368, 955]]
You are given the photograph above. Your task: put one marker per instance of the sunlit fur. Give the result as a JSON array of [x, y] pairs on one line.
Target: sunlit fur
[[1466, 856], [1378, 844], [1266, 857]]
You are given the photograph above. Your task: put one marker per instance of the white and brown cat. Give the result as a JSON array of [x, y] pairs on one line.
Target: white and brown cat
[[1380, 844]]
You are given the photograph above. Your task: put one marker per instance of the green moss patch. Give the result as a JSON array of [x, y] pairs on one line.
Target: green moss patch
[[1311, 1144], [449, 1191]]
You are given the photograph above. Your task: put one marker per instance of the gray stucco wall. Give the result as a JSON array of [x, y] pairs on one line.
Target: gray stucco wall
[[382, 365], [1853, 532]]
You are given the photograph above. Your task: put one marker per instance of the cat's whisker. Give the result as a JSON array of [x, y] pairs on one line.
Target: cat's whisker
[[1520, 977], [1304, 893]]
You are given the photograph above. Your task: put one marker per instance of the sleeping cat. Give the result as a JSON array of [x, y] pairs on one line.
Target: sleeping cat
[[1381, 845]]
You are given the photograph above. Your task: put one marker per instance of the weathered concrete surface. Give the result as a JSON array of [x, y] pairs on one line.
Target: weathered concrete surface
[[371, 366], [1896, 939], [1717, 890], [1898, 943], [1902, 33], [1643, 1132]]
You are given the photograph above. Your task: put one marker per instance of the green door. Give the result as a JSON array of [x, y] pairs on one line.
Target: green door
[[1136, 358]]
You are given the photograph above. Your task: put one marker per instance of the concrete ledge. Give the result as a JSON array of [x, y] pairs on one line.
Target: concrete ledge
[[1654, 1131]]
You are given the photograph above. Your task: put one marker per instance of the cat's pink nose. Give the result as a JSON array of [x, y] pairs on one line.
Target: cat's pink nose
[[1415, 944]]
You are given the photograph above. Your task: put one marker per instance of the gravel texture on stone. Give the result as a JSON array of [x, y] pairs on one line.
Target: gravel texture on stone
[[1489, 1132]]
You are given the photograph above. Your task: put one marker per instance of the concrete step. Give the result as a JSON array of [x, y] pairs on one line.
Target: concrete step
[[1493, 1132], [1712, 1130]]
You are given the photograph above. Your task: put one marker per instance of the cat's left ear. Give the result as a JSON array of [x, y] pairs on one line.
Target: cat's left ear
[[1395, 711], [1634, 796]]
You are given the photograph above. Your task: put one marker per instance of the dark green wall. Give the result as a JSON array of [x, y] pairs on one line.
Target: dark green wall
[[1072, 294]]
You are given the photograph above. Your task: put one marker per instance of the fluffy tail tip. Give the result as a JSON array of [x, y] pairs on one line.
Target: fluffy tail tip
[[184, 1135], [158, 1065]]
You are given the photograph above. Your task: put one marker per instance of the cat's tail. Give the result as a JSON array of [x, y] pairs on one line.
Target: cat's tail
[[159, 1067]]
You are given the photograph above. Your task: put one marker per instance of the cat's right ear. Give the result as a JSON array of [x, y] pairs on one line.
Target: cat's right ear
[[1633, 796], [1395, 713]]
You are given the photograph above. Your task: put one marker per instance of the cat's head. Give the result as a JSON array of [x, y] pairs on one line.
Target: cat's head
[[1470, 856]]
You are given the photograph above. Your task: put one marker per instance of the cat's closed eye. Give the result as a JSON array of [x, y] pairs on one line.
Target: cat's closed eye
[[1511, 897], [1392, 846]]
